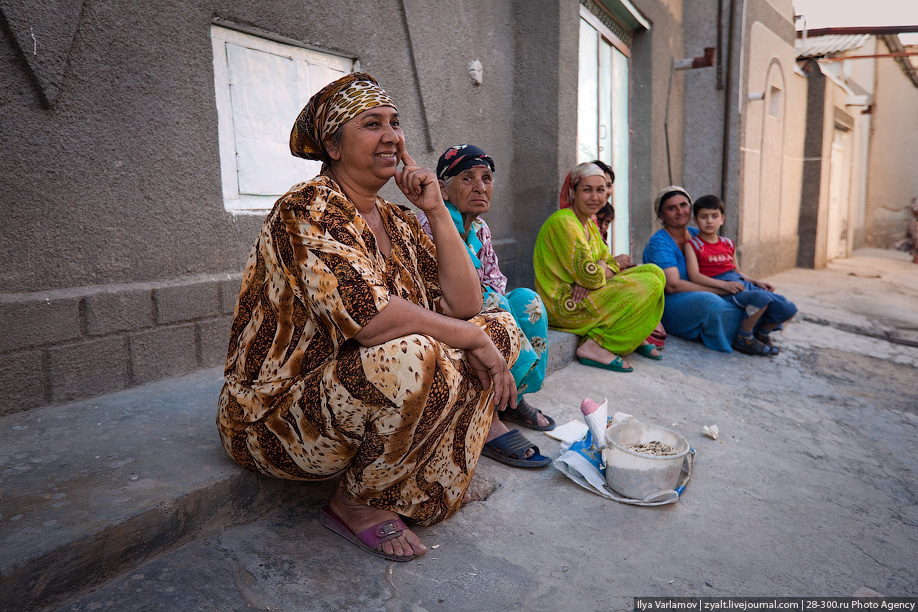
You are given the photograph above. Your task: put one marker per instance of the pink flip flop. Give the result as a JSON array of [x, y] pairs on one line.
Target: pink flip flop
[[371, 537]]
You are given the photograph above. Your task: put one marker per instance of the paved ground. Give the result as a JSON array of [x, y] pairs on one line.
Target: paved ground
[[812, 489]]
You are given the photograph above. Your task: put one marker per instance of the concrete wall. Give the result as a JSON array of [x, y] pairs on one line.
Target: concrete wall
[[652, 55], [706, 97], [893, 171], [832, 189], [542, 126], [122, 264], [860, 76], [809, 231], [735, 148], [771, 149]]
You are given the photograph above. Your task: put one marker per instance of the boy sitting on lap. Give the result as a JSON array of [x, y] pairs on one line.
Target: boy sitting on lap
[[711, 260]]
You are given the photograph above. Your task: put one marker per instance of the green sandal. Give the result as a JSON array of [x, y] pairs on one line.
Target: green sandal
[[617, 365], [645, 350]]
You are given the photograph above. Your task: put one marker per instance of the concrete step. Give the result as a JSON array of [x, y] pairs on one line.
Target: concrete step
[[561, 349], [93, 488]]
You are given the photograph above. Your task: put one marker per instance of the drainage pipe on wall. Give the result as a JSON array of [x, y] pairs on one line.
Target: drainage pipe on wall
[[725, 148], [428, 140]]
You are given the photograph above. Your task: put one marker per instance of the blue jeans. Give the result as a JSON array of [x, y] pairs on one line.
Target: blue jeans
[[779, 308]]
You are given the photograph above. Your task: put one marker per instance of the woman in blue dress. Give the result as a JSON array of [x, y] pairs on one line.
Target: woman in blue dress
[[691, 311]]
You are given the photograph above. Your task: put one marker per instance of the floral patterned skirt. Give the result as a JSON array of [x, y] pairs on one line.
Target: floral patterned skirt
[[529, 314]]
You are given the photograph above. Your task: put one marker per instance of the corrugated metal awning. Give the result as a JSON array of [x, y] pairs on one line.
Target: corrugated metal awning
[[820, 46]]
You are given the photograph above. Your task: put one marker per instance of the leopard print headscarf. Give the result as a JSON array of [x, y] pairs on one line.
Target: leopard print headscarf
[[333, 106]]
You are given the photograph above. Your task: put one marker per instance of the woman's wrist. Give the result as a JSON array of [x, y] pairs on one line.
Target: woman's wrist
[[439, 214], [470, 337]]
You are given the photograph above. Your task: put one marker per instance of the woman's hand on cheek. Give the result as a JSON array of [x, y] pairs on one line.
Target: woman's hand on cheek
[[419, 184]]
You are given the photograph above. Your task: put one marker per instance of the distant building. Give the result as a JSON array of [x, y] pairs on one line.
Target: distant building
[[862, 140]]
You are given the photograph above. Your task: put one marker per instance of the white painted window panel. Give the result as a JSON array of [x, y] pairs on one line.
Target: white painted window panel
[[588, 95], [261, 86], [264, 89]]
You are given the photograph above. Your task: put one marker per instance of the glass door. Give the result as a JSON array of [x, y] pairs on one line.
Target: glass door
[[602, 116]]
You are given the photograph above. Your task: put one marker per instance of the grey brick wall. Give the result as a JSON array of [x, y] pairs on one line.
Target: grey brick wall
[[99, 365], [187, 302], [117, 311], [32, 322], [66, 345], [213, 340], [23, 381], [163, 352]]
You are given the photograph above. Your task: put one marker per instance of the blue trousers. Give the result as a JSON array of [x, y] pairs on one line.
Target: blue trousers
[[779, 308]]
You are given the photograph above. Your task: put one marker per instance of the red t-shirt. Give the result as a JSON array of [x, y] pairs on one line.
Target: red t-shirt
[[713, 259]]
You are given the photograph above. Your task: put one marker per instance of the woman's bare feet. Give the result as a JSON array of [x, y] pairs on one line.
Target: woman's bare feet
[[591, 350], [543, 422], [359, 517]]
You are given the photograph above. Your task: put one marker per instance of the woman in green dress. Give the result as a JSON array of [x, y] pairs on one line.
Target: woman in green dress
[[584, 290]]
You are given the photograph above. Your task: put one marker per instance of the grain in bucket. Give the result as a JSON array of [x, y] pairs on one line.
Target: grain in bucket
[[643, 459]]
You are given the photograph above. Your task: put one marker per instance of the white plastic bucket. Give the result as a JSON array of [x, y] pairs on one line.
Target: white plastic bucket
[[639, 475]]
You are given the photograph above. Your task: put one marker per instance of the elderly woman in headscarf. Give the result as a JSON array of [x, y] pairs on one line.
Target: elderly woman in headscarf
[[692, 311], [358, 348], [466, 177], [583, 287]]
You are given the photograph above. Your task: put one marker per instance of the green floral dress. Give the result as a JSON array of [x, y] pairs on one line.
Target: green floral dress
[[620, 312]]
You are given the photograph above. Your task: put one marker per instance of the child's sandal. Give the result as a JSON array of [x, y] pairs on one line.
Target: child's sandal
[[753, 347], [765, 338]]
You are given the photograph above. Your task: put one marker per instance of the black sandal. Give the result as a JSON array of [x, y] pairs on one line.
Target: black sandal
[[527, 416], [753, 346], [511, 447]]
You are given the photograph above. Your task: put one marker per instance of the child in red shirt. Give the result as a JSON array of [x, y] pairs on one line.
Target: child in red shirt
[[711, 261]]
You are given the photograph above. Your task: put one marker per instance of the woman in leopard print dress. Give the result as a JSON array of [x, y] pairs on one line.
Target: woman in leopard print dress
[[356, 351]]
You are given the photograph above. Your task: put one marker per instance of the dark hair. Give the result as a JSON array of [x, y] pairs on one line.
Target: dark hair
[[606, 211], [605, 168], [709, 202]]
